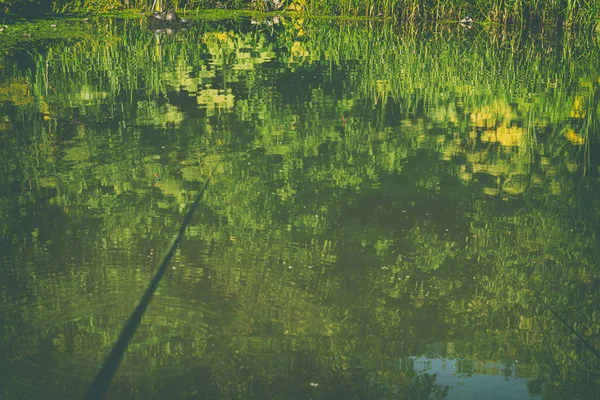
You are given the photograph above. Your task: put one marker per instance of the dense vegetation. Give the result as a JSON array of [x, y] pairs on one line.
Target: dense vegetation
[[563, 13], [380, 194]]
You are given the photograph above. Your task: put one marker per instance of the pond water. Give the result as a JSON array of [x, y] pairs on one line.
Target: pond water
[[393, 213]]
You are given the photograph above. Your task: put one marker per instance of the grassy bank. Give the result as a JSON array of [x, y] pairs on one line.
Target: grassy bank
[[567, 13]]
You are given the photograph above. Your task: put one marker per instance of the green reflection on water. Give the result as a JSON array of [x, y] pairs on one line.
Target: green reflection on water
[[381, 198]]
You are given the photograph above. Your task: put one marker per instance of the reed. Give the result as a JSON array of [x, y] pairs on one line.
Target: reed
[[520, 13]]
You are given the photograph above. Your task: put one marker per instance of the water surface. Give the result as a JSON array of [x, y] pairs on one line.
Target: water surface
[[386, 212]]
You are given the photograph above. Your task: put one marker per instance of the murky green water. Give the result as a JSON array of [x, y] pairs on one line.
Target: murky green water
[[385, 211]]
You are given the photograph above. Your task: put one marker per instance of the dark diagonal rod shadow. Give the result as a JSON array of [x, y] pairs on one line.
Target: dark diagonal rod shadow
[[102, 380]]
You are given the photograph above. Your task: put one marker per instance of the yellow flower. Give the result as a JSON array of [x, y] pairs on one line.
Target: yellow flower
[[298, 5], [573, 136], [488, 115], [298, 49], [578, 110], [505, 135], [222, 36]]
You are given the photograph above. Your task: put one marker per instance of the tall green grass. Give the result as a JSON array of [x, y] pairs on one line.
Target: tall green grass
[[522, 13], [530, 13]]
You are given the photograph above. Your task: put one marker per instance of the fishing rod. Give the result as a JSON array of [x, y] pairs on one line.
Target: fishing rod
[[101, 382]]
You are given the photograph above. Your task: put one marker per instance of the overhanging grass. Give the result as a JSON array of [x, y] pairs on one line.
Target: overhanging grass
[[521, 13]]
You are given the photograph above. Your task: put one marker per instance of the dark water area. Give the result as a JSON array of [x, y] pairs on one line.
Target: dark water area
[[391, 215]]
